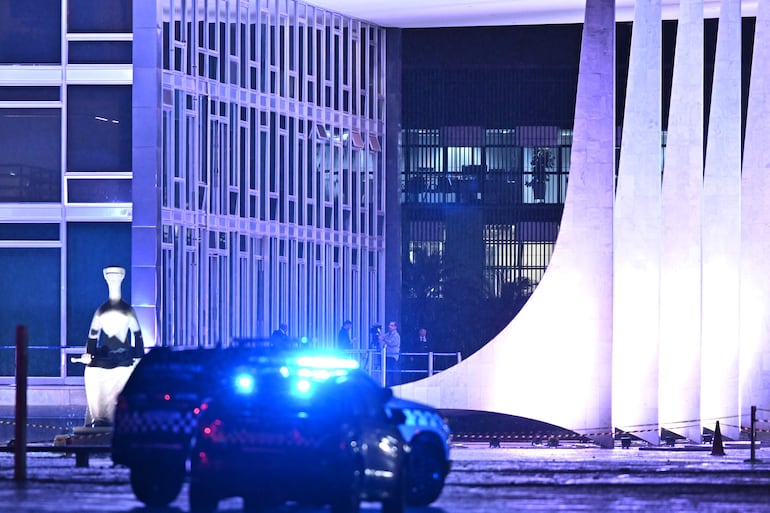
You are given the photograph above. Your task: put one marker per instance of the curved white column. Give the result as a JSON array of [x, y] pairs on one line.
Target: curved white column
[[637, 235], [680, 250], [755, 229], [559, 372], [721, 233]]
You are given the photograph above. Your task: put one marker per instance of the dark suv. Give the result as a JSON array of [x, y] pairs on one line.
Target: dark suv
[[428, 435], [159, 409], [309, 429], [155, 419]]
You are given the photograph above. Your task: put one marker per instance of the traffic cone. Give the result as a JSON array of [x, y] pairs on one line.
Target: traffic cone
[[717, 449]]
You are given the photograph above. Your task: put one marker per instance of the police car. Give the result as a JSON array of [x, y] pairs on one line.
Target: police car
[[155, 419], [312, 429], [160, 407], [428, 435]]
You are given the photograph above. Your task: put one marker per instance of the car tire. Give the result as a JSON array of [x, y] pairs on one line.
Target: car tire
[[348, 499], [396, 503], [254, 504], [157, 485], [427, 472], [201, 499]]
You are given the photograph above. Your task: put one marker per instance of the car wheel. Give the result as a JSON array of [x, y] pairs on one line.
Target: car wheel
[[157, 485], [253, 504], [348, 499], [396, 503], [427, 471], [201, 499]]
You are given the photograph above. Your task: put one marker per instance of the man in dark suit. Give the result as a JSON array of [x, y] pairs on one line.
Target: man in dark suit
[[419, 362], [345, 340], [280, 337]]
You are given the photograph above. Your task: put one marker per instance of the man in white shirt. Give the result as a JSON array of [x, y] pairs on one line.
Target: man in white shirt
[[390, 343]]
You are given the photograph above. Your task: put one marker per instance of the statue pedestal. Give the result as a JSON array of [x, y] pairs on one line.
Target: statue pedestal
[[85, 435]]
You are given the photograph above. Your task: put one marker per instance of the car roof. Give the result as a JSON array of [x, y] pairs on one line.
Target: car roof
[[397, 402]]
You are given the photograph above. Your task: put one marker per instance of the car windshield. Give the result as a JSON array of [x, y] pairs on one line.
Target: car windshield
[[169, 372]]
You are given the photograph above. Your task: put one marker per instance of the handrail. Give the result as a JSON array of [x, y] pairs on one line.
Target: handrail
[[374, 360], [371, 360]]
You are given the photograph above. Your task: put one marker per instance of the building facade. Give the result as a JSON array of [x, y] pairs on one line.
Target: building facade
[[229, 154]]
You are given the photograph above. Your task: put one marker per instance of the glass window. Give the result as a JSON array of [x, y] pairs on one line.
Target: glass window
[[29, 231], [99, 16], [29, 94], [90, 248], [99, 128], [99, 52], [30, 32], [35, 303], [98, 191], [31, 158]]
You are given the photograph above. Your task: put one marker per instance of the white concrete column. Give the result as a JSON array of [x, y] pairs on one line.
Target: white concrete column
[[755, 229], [680, 255], [721, 233], [637, 234]]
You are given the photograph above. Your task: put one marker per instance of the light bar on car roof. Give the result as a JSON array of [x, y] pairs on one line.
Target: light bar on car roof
[[326, 362]]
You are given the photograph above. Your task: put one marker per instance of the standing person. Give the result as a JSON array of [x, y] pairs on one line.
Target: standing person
[[280, 337], [390, 343], [421, 345], [345, 339]]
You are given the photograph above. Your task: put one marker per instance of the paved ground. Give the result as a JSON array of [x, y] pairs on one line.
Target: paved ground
[[512, 478]]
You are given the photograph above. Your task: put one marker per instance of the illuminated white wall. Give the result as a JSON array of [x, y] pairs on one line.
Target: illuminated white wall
[[755, 229], [507, 376], [680, 250], [721, 234], [637, 234]]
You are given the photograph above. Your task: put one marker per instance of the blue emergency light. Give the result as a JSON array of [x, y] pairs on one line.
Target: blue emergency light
[[245, 383]]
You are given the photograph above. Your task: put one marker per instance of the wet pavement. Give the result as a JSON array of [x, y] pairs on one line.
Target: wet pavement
[[507, 479]]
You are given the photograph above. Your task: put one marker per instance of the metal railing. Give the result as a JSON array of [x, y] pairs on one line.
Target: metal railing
[[411, 366]]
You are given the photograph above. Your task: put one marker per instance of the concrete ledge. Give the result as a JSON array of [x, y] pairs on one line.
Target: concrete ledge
[[47, 395]]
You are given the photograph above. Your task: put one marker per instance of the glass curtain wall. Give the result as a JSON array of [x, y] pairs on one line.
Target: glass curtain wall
[[65, 173], [238, 178], [272, 172], [516, 178]]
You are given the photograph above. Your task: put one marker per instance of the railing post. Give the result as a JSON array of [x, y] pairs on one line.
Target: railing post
[[753, 435], [430, 364], [459, 357], [383, 367], [20, 411]]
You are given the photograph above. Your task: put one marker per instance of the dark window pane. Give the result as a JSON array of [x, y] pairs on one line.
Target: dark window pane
[[29, 94], [19, 231], [30, 31], [98, 191], [99, 128], [99, 16], [100, 52], [90, 248], [31, 158], [35, 303]]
